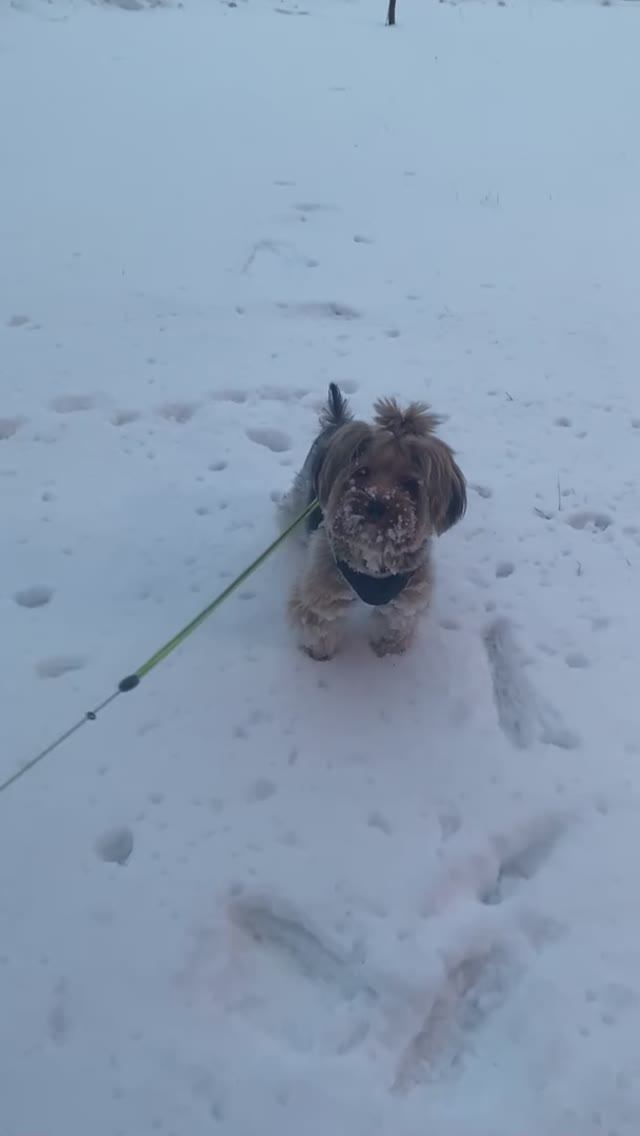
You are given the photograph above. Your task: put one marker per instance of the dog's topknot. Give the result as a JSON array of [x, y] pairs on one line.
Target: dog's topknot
[[415, 421], [336, 412]]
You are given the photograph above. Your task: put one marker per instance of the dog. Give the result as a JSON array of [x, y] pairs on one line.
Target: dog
[[384, 490]]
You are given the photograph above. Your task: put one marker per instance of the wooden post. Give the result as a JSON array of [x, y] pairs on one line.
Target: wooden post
[[391, 14]]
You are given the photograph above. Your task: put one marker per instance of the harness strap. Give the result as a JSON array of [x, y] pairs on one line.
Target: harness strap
[[377, 591]]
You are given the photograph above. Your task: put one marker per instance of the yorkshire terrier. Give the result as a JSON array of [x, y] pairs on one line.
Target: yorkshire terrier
[[384, 490]]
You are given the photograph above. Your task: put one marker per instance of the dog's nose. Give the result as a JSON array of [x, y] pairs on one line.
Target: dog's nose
[[376, 509]]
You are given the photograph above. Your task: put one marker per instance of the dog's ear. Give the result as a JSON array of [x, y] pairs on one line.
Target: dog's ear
[[343, 449], [415, 421], [445, 485]]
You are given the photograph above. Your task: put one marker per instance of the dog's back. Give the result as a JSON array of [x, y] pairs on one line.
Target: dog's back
[[334, 414]]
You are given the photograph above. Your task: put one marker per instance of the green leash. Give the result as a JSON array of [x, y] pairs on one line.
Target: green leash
[[130, 682]]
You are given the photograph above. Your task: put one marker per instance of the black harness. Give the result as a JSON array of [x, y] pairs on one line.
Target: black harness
[[374, 590]]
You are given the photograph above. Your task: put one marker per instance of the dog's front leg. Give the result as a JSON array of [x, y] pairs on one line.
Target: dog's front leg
[[320, 633], [393, 626], [319, 602]]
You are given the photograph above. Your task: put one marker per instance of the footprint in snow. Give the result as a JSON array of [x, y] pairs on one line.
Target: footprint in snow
[[36, 596], [9, 427], [523, 715], [115, 846], [282, 394], [478, 971], [275, 440], [59, 1019], [504, 568], [72, 403], [58, 665], [314, 207], [237, 396], [591, 521], [481, 490], [261, 789], [125, 417], [330, 309], [178, 411]]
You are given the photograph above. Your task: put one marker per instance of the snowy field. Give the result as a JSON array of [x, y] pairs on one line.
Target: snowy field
[[393, 897]]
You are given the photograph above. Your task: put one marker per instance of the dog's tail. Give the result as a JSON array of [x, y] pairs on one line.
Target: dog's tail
[[337, 411]]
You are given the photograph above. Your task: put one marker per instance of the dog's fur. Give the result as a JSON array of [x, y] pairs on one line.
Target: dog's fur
[[384, 490]]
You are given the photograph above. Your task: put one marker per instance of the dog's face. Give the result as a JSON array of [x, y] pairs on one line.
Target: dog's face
[[386, 488]]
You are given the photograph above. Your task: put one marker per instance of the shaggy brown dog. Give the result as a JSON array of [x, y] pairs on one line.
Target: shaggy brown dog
[[384, 490]]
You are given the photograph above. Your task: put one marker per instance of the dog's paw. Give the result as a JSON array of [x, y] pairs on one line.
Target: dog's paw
[[319, 638], [389, 646], [318, 654]]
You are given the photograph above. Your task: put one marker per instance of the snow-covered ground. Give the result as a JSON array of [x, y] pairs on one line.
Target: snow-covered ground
[[394, 897]]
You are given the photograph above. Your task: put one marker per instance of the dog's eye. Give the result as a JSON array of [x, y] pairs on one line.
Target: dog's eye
[[411, 485]]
